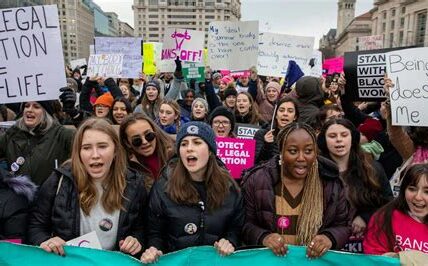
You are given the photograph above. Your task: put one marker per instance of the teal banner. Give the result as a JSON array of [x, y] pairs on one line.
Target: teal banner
[[12, 254]]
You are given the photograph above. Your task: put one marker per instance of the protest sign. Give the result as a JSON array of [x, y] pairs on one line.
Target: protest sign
[[12, 254], [372, 42], [364, 72], [408, 70], [105, 65], [276, 50], [149, 65], [186, 44], [89, 240], [192, 70], [245, 131], [4, 126], [31, 59], [233, 45], [78, 63], [236, 154], [91, 49], [314, 66], [131, 48], [332, 65]]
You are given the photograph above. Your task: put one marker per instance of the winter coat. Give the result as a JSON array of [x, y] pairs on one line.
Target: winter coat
[[310, 97], [264, 150], [39, 151], [57, 213], [170, 223], [259, 195], [16, 194]]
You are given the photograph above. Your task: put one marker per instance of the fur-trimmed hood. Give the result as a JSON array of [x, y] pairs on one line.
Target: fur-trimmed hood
[[21, 185]]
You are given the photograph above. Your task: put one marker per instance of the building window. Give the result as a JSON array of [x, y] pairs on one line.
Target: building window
[[357, 48], [384, 27], [401, 22], [403, 10], [391, 40], [153, 16], [401, 39], [153, 29], [384, 14], [421, 22], [153, 2], [392, 24], [393, 12]]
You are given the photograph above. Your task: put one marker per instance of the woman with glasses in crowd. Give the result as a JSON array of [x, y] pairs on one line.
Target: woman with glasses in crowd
[[148, 147], [222, 121]]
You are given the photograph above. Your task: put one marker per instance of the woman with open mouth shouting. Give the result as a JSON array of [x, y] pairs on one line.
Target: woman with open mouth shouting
[[367, 187], [403, 223], [296, 198], [195, 202], [92, 192]]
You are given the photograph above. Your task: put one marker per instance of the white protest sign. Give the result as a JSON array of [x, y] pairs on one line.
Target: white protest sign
[[187, 44], [245, 131], [130, 47], [233, 45], [162, 65], [91, 49], [275, 50], [370, 42], [90, 240], [31, 59], [77, 63], [408, 70], [105, 65], [314, 66]]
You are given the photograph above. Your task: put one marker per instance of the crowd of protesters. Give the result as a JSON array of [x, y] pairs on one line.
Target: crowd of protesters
[[135, 160]]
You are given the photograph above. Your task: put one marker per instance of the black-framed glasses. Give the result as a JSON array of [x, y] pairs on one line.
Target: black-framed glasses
[[136, 141], [217, 123]]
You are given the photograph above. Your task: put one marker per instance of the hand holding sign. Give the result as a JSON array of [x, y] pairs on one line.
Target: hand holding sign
[[130, 245], [151, 255]]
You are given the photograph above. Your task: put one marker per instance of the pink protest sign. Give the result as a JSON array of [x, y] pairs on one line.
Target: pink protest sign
[[333, 65], [187, 44], [236, 154], [14, 240]]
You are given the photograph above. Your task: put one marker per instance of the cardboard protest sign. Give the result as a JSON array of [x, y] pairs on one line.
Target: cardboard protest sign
[[408, 70], [245, 131], [105, 65], [193, 70], [276, 50], [314, 66], [332, 65], [186, 44], [372, 42], [149, 65], [89, 240], [162, 65], [78, 63], [236, 154], [130, 47], [31, 58], [364, 72], [233, 45]]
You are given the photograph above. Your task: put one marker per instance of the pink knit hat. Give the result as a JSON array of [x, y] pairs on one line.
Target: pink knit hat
[[227, 79], [274, 85]]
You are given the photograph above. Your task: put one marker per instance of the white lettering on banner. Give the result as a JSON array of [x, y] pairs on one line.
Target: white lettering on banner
[[408, 69], [187, 44], [370, 42], [370, 72], [105, 65], [276, 50], [233, 45], [30, 53], [411, 244], [130, 47]]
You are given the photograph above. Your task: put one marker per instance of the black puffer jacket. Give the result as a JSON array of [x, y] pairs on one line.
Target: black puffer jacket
[[16, 193], [58, 214], [169, 221]]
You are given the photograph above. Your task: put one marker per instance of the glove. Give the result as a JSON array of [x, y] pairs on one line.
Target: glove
[[178, 68], [68, 100]]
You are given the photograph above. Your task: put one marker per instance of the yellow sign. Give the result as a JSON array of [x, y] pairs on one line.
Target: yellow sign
[[149, 59]]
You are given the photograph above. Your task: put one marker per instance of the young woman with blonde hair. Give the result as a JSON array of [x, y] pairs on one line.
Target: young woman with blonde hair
[[94, 191]]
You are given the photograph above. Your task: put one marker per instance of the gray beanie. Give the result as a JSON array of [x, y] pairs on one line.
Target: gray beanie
[[203, 101], [198, 129]]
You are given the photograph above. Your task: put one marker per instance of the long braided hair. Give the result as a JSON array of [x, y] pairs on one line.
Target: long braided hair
[[310, 219]]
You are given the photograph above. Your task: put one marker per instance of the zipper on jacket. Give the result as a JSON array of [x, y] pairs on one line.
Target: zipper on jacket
[[202, 223]]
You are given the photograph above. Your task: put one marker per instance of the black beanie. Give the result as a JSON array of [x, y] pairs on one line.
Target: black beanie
[[221, 110], [230, 91], [47, 105]]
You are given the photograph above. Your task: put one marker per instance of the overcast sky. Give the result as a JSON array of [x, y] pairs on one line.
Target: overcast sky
[[295, 17]]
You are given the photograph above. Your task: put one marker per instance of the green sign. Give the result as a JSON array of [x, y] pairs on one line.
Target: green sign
[[194, 71]]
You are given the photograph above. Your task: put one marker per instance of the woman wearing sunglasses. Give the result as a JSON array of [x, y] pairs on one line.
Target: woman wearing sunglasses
[[147, 146]]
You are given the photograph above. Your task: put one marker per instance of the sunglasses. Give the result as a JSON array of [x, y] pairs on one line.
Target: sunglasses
[[138, 140]]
